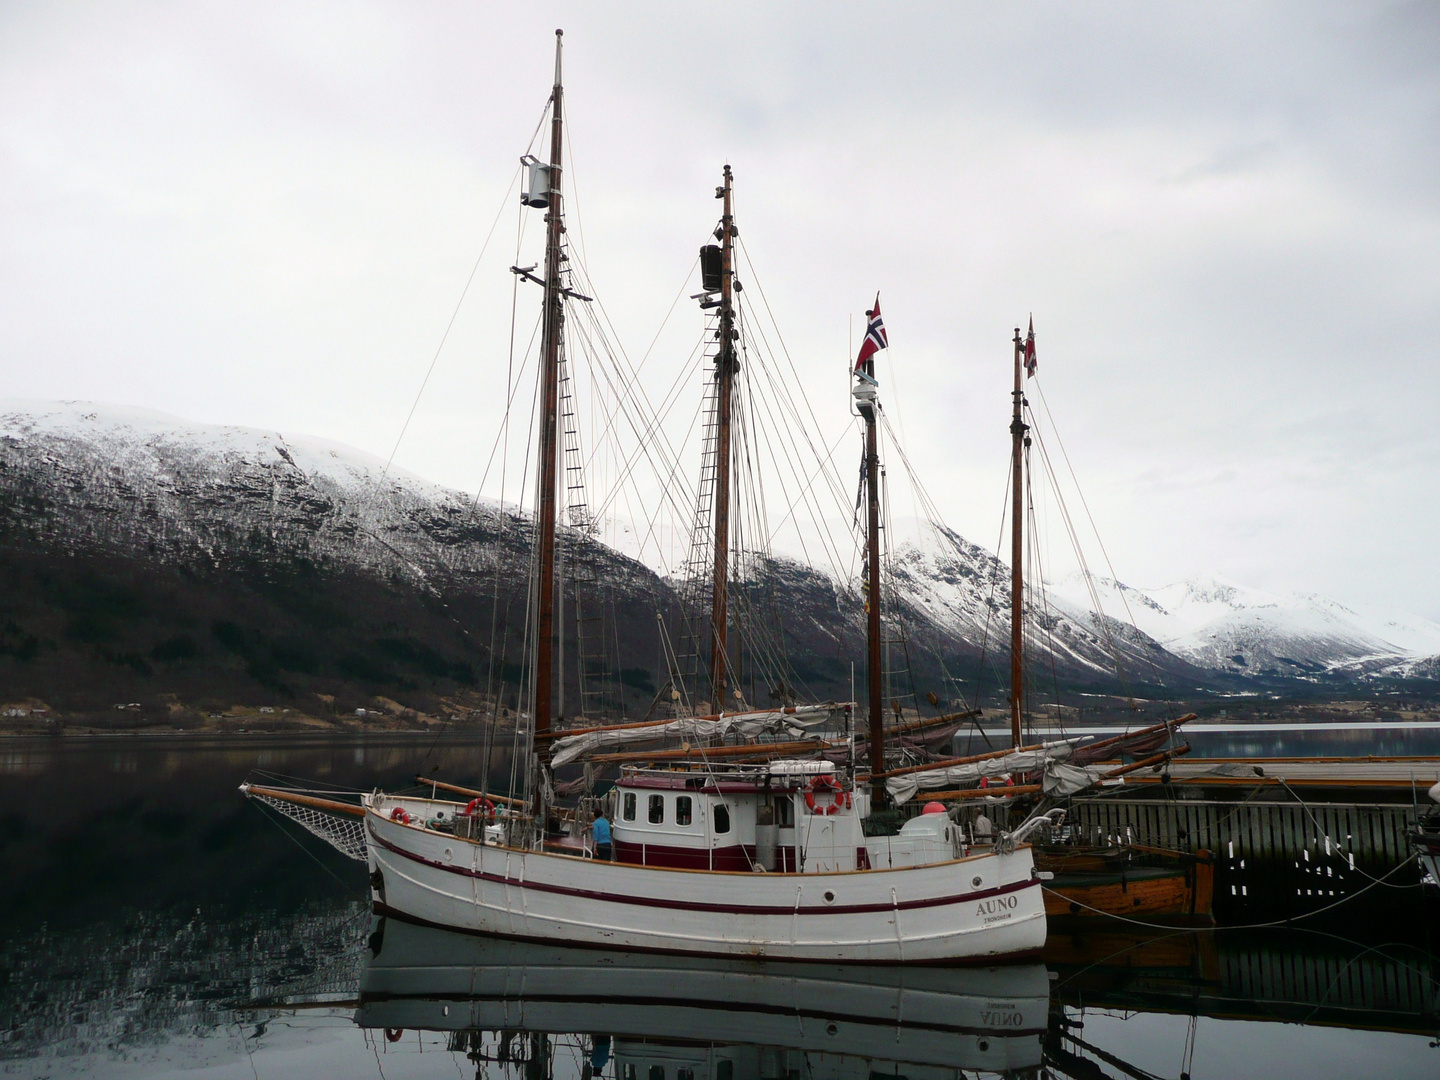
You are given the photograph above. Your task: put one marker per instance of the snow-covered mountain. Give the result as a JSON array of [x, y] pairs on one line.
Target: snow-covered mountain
[[232, 506], [964, 591], [1224, 626]]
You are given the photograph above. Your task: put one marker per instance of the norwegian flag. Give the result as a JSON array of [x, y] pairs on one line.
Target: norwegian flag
[[875, 336], [1030, 360]]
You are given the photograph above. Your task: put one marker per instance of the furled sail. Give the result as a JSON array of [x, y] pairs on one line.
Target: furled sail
[[1062, 779], [797, 722], [904, 788]]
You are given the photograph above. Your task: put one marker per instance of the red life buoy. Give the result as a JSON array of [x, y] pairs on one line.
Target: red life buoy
[[393, 1034], [479, 804], [401, 815], [838, 796]]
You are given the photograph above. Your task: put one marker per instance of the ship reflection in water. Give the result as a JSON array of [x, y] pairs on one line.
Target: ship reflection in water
[[1101, 1005], [660, 1018], [332, 992]]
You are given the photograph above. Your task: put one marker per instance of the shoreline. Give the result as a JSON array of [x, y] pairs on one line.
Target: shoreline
[[478, 731]]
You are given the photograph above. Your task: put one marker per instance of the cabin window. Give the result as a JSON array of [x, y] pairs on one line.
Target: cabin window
[[683, 810], [657, 809], [657, 1072], [722, 818], [627, 808], [629, 1073], [684, 1074], [724, 1070], [784, 812]]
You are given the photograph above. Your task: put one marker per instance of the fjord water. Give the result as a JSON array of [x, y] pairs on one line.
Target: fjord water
[[155, 923]]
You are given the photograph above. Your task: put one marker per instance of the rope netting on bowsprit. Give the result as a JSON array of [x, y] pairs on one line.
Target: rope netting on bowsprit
[[346, 835]]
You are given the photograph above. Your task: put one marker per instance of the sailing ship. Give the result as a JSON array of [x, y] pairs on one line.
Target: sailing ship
[[739, 850]]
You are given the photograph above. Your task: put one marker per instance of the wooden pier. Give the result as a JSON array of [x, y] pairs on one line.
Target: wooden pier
[[1294, 836]]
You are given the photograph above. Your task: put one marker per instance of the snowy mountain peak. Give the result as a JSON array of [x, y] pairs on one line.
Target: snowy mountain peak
[[1220, 624]]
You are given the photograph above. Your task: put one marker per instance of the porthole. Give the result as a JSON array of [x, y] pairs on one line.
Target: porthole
[[829, 897], [976, 881]]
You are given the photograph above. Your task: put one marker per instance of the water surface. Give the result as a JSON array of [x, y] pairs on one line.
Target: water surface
[[155, 923]]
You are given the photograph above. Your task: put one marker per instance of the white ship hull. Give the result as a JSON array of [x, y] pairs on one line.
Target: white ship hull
[[973, 909]]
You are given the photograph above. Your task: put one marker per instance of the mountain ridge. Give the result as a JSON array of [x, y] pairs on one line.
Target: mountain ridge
[[140, 546]]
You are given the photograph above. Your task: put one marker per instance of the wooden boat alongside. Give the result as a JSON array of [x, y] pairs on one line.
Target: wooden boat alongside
[[1152, 885]]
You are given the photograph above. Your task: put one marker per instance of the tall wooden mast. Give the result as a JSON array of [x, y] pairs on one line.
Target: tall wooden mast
[[875, 667], [725, 382], [1017, 550], [866, 394], [552, 323]]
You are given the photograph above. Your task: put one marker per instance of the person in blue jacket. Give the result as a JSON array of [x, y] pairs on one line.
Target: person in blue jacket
[[601, 832]]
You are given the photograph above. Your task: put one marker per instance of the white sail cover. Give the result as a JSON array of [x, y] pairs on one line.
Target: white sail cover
[[1061, 779], [904, 788], [802, 721]]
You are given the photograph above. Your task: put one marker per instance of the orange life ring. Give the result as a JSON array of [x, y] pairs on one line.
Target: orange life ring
[[479, 804], [401, 815], [838, 796]]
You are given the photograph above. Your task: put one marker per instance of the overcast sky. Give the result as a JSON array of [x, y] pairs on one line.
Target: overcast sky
[[1225, 218]]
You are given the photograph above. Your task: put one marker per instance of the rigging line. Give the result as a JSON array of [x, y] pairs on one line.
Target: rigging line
[[296, 841], [891, 367], [792, 452], [995, 566], [448, 327], [770, 647], [1046, 625], [1101, 621], [944, 534], [511, 382], [765, 436], [513, 387], [652, 424], [629, 375], [788, 410], [653, 520], [806, 494], [898, 627], [648, 440], [573, 177], [667, 404], [1084, 503], [655, 434], [663, 322], [799, 383], [786, 453]]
